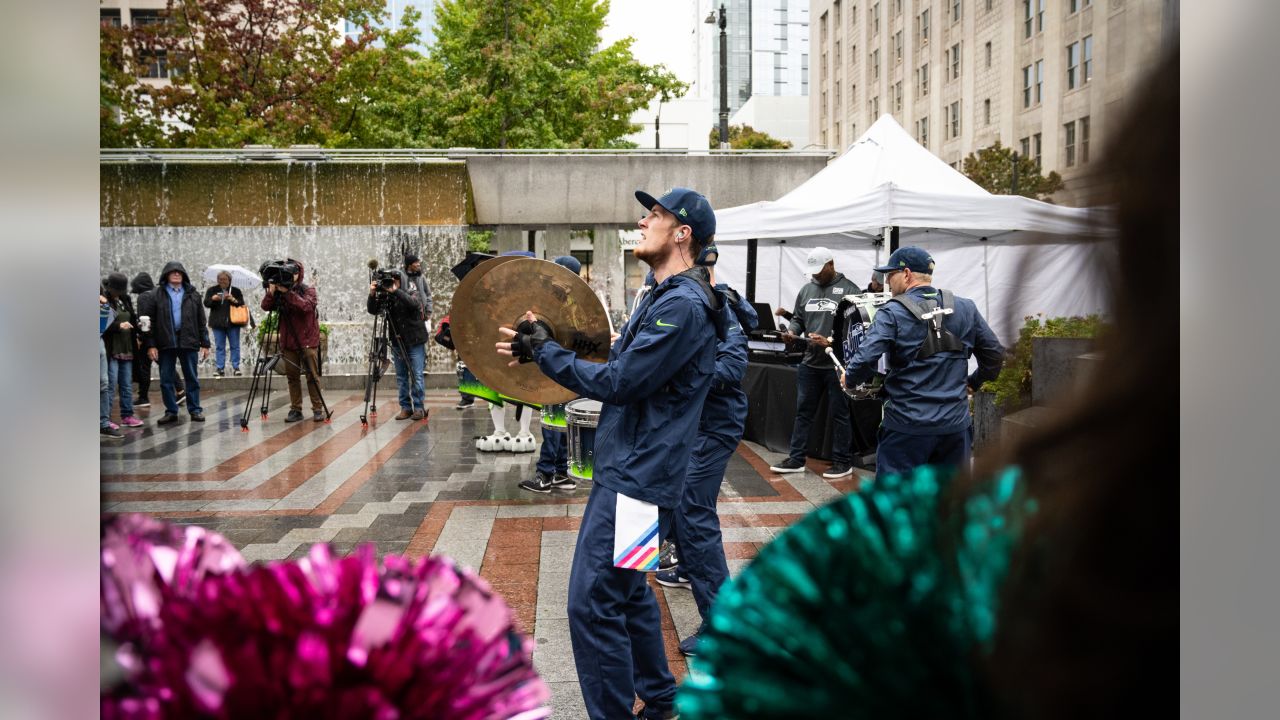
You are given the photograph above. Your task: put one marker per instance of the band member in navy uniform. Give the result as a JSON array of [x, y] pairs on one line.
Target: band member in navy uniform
[[652, 390], [929, 335]]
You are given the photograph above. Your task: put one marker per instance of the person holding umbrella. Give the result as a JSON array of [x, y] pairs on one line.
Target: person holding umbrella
[[220, 299]]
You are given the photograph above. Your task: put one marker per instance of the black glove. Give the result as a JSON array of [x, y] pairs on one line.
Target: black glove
[[529, 337]]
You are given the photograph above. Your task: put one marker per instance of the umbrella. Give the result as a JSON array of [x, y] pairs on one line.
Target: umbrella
[[240, 277]]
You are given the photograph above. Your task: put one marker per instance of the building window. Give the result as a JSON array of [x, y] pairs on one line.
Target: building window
[[988, 54], [1026, 146], [897, 8], [922, 131], [875, 63], [838, 146], [1036, 145], [875, 19], [1039, 16], [837, 55], [1039, 81], [922, 80], [897, 46], [988, 5], [955, 61], [1026, 87], [955, 119], [822, 29], [923, 22], [835, 18], [853, 95], [822, 71], [804, 73], [1073, 62], [109, 17], [1070, 129], [875, 108], [897, 99], [1084, 139], [823, 105], [955, 11], [835, 100], [853, 16], [1026, 19], [986, 111], [1088, 59]]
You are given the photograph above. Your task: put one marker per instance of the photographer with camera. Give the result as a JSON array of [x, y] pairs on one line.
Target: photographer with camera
[[299, 332], [407, 335]]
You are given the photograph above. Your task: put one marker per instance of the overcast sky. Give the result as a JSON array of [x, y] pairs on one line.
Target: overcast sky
[[663, 31]]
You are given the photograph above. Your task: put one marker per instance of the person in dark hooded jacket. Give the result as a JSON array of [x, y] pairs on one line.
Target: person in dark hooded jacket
[[179, 331], [140, 285], [652, 391], [119, 343], [299, 341]]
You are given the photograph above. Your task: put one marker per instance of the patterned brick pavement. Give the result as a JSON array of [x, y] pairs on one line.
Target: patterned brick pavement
[[417, 488]]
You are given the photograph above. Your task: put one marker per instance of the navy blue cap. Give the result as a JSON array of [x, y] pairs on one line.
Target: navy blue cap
[[518, 253], [909, 258], [690, 208], [570, 262]]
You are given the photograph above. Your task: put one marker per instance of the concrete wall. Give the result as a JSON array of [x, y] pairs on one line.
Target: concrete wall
[[588, 190]]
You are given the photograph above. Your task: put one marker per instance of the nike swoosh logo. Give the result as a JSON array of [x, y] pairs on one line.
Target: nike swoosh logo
[[662, 324]]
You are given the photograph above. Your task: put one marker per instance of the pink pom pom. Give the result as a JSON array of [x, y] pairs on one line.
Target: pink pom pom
[[322, 637]]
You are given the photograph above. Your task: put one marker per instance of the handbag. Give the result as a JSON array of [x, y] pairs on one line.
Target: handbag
[[239, 314]]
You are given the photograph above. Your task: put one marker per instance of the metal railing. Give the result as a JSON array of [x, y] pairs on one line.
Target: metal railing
[[308, 154]]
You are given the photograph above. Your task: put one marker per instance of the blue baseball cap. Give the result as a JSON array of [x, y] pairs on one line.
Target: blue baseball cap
[[570, 262], [909, 258], [690, 208]]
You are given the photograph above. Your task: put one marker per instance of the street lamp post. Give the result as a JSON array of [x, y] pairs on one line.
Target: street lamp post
[[724, 73]]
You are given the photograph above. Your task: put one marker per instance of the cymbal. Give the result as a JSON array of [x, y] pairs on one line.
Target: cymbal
[[497, 293]]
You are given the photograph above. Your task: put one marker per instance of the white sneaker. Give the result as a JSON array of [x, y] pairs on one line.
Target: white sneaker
[[493, 443], [521, 443]]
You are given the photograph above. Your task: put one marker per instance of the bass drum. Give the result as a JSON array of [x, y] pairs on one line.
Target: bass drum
[[853, 318]]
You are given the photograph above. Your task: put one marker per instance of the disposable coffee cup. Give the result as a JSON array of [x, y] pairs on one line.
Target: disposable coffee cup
[[144, 323]]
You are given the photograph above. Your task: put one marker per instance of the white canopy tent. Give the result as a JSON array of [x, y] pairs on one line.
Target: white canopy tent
[[1012, 255]]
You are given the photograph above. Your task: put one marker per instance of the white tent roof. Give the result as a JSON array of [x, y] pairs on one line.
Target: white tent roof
[[885, 179]]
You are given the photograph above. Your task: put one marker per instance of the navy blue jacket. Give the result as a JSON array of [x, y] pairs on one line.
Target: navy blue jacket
[[724, 414], [927, 396], [652, 388]]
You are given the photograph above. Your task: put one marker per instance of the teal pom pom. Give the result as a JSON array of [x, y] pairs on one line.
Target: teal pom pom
[[869, 606]]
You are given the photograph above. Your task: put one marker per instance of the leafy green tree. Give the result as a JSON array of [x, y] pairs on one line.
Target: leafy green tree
[[528, 74], [745, 137], [992, 168], [251, 71]]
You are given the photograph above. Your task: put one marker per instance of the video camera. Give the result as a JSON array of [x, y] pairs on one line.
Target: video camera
[[386, 279], [279, 272]]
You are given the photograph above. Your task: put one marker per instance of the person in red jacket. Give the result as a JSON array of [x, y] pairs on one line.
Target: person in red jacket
[[299, 338]]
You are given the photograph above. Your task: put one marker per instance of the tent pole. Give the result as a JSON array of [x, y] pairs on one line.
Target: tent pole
[[986, 277], [893, 239], [753, 246]]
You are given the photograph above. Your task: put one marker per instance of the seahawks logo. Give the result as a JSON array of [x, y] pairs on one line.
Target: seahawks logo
[[821, 305]]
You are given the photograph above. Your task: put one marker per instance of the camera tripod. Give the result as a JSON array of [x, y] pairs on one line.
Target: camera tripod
[[379, 344], [264, 367]]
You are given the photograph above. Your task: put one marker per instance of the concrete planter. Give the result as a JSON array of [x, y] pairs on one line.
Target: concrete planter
[[1053, 368]]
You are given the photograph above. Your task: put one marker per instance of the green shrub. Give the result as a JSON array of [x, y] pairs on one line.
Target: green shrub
[[1013, 386]]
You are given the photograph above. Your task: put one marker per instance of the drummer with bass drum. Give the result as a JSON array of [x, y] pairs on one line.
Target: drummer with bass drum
[[928, 335]]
